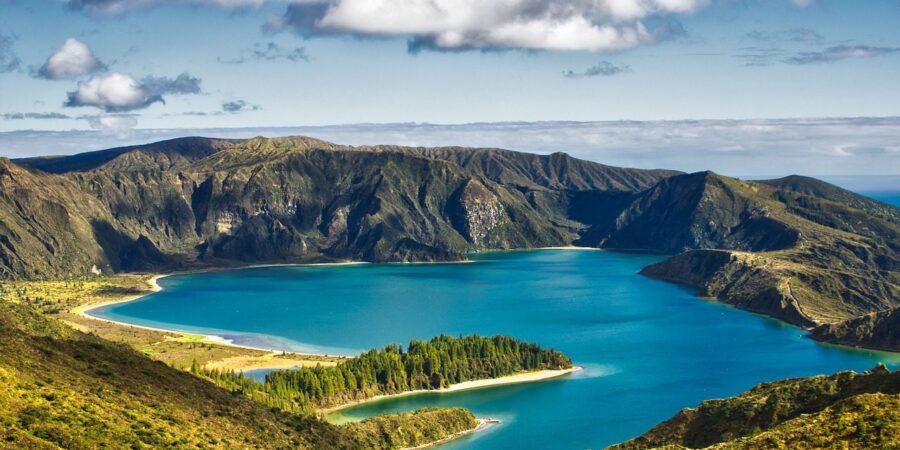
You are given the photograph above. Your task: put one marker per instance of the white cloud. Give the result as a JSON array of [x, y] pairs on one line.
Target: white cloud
[[74, 59], [119, 125], [119, 92], [113, 92], [591, 25]]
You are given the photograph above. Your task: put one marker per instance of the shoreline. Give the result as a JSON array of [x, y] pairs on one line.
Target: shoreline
[[482, 424], [268, 360], [270, 356], [516, 378], [153, 281]]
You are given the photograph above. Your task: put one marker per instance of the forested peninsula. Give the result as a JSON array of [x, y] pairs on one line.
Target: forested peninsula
[[432, 365]]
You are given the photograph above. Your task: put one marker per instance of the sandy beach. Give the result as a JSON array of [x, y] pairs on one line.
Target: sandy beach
[[84, 310], [269, 358], [523, 377]]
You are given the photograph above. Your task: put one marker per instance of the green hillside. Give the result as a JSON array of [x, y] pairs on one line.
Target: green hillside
[[66, 389], [844, 410]]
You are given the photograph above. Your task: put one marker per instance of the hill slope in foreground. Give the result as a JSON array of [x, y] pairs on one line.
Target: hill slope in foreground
[[796, 248], [66, 389], [844, 410]]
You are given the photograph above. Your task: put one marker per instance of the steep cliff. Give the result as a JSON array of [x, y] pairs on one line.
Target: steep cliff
[[878, 330], [209, 201]]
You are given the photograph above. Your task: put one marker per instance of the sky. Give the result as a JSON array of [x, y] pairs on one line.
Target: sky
[[737, 86]]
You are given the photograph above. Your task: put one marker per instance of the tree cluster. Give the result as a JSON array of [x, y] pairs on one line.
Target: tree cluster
[[434, 364]]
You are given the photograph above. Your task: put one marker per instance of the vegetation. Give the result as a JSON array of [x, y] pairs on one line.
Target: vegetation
[[774, 247], [411, 429], [65, 389], [844, 410], [424, 365], [59, 296], [795, 248], [798, 249], [286, 199]]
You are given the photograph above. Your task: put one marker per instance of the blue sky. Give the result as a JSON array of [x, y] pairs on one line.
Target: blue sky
[[273, 63]]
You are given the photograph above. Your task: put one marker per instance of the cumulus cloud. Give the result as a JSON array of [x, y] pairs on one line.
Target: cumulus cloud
[[118, 92], [118, 8], [840, 52], [238, 106], [268, 52], [34, 115], [453, 25], [9, 60], [73, 60], [601, 69]]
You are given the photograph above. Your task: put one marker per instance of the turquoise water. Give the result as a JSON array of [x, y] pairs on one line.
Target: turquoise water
[[889, 197], [649, 347]]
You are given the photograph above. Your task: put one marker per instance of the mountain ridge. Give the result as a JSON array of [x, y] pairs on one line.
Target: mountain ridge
[[794, 248]]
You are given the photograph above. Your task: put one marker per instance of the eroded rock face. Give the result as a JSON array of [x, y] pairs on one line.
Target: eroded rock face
[[261, 238], [338, 222], [477, 212], [227, 221], [879, 330]]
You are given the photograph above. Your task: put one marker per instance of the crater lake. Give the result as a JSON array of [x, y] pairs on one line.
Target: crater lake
[[649, 348]]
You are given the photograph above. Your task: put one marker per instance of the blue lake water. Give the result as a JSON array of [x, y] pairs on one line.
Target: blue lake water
[[649, 347]]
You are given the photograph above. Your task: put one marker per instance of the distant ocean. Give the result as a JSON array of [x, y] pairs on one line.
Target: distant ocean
[[889, 197], [884, 188]]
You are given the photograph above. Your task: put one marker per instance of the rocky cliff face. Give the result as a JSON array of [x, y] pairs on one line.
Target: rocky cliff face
[[477, 213], [50, 228], [294, 199], [739, 279], [878, 330]]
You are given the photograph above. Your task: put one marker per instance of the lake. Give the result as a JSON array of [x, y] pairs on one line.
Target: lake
[[648, 347]]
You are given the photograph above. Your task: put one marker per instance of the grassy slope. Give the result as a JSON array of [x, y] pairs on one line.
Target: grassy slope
[[844, 409], [843, 263], [63, 388]]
